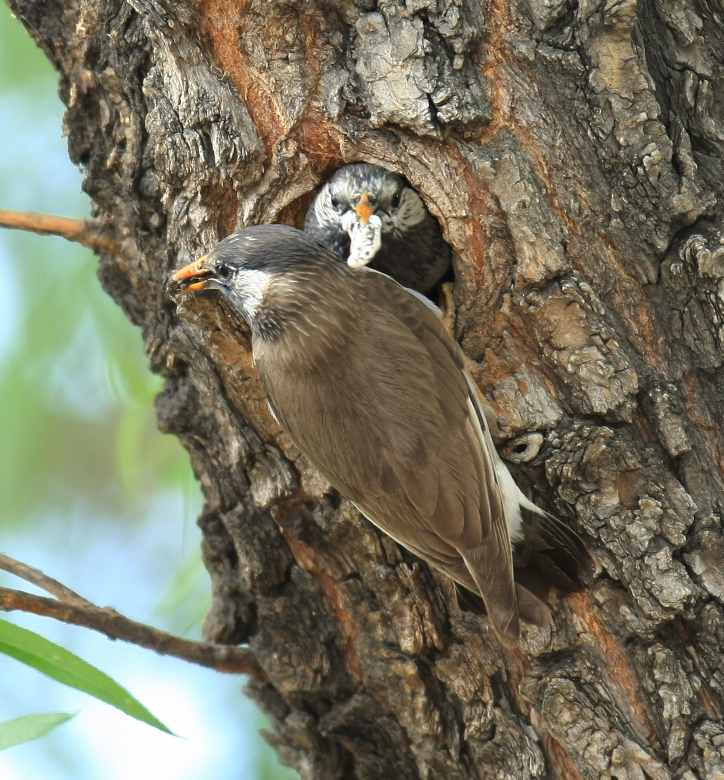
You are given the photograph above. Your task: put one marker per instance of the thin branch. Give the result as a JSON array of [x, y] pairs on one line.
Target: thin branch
[[85, 232], [37, 577], [223, 658]]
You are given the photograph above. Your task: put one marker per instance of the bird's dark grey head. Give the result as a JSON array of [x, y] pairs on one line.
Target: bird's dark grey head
[[263, 273]]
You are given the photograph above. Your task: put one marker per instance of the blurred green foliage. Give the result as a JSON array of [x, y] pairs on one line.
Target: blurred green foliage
[[81, 426], [79, 442], [19, 56]]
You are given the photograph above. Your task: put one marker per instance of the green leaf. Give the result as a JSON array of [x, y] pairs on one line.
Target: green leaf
[[19, 730], [66, 667]]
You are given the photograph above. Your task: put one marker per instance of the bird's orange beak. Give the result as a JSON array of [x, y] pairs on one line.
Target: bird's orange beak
[[198, 270], [364, 209]]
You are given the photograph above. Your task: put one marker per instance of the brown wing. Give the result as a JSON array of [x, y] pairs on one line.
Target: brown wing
[[387, 415]]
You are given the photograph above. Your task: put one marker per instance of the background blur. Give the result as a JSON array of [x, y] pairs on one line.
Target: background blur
[[91, 492]]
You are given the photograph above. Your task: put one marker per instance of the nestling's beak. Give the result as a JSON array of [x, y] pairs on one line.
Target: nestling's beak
[[364, 209], [194, 277]]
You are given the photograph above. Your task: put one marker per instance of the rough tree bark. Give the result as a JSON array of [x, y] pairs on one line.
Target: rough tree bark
[[572, 151]]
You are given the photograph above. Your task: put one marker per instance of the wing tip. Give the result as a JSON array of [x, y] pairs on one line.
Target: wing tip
[[509, 635], [549, 538]]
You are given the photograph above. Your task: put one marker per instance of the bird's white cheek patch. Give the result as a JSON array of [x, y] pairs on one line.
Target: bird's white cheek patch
[[364, 240], [253, 285]]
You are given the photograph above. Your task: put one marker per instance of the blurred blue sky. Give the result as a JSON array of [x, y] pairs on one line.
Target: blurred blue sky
[[93, 494]]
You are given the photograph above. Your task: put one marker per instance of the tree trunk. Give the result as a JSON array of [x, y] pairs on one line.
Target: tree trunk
[[572, 151]]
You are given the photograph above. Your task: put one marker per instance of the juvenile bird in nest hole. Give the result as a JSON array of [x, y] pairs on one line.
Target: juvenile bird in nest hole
[[369, 385], [368, 215]]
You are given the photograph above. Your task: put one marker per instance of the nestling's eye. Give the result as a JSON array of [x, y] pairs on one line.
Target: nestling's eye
[[337, 204], [395, 202], [223, 270]]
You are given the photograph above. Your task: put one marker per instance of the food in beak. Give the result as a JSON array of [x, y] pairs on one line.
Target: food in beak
[[365, 241]]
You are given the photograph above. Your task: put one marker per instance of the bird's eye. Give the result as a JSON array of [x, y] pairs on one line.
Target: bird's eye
[[223, 270], [395, 200], [337, 204]]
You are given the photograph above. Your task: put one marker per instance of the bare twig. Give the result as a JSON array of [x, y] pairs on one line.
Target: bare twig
[[85, 232], [37, 577], [223, 658]]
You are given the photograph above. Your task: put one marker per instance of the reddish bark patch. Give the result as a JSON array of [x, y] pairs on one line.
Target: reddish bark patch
[[497, 54], [621, 673], [477, 238], [560, 761], [222, 24], [308, 558], [321, 142]]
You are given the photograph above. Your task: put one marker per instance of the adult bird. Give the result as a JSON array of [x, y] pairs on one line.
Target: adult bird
[[367, 214], [363, 376]]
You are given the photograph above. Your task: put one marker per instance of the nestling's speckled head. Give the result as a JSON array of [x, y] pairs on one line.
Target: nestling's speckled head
[[366, 189]]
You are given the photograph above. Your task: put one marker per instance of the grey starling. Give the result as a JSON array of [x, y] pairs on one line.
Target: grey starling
[[367, 214], [363, 376]]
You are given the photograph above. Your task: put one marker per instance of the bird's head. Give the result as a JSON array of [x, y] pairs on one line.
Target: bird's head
[[360, 194], [264, 274]]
